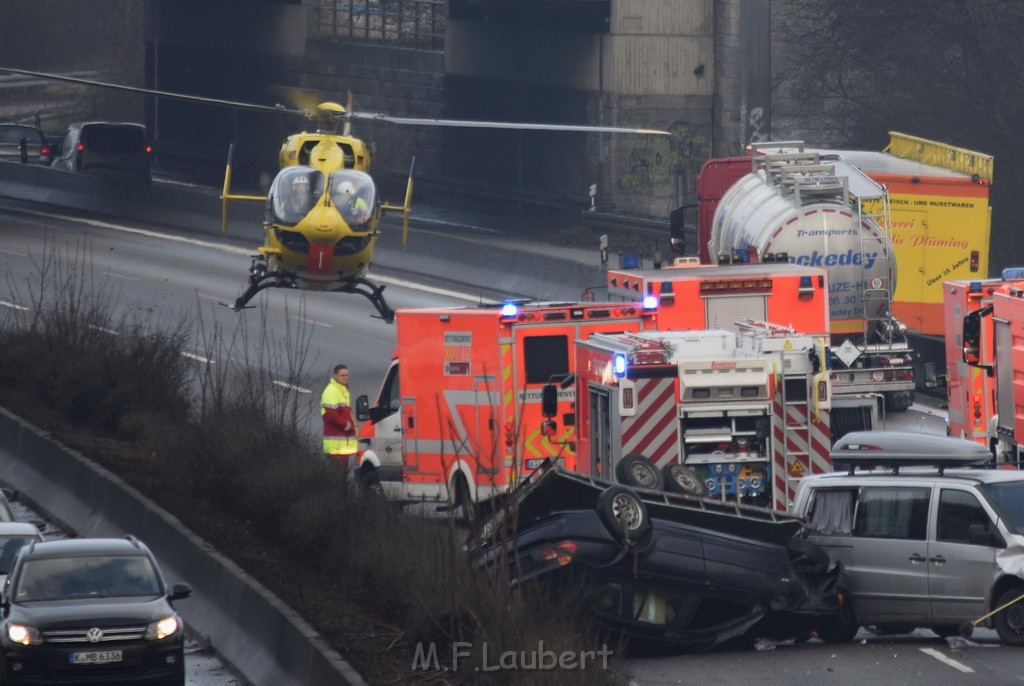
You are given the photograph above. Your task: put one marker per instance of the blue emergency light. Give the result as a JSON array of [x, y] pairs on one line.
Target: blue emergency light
[[650, 302], [509, 310], [1013, 273], [619, 365]]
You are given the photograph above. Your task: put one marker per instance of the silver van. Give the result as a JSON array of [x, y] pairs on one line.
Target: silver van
[[118, 149], [929, 534]]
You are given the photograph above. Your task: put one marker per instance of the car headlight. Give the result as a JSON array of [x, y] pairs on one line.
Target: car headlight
[[162, 628], [25, 635]]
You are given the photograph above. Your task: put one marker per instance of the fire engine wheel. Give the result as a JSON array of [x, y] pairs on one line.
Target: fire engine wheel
[[680, 479], [623, 512], [637, 471]]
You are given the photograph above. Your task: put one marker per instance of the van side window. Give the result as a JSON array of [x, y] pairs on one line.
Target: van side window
[[893, 513], [957, 511], [832, 511]]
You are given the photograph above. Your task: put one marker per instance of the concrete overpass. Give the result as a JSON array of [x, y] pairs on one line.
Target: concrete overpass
[[699, 68]]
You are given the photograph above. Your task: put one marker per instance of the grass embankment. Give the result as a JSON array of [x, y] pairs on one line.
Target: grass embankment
[[221, 447]]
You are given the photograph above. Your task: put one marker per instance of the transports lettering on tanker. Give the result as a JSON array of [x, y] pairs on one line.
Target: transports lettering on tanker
[[805, 233]]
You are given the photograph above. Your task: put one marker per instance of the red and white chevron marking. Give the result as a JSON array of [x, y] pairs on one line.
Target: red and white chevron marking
[[798, 448], [654, 430]]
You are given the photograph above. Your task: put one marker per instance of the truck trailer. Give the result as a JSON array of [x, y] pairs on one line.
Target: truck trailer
[[797, 206]]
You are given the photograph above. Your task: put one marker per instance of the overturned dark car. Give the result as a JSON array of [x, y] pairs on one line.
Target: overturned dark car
[[663, 569]]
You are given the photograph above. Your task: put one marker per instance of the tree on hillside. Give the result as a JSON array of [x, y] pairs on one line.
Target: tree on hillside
[[948, 70]]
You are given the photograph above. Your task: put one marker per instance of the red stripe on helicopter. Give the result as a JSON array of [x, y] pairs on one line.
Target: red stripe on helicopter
[[319, 260]]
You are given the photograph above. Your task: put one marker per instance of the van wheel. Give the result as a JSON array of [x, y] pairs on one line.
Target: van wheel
[[681, 479], [369, 482], [622, 511], [1009, 623], [464, 500], [638, 472]]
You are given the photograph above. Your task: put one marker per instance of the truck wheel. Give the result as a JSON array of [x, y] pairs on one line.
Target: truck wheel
[[638, 472], [681, 479], [899, 401], [1009, 623], [623, 513]]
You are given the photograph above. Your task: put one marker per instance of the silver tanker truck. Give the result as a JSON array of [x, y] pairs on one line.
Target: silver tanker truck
[[807, 209]]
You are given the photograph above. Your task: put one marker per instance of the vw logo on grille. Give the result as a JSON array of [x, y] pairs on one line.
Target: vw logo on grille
[[94, 635]]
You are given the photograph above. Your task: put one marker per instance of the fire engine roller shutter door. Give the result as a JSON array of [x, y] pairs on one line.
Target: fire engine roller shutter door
[[1004, 391], [724, 311]]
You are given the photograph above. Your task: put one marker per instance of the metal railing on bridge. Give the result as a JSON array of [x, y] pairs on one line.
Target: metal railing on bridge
[[413, 24]]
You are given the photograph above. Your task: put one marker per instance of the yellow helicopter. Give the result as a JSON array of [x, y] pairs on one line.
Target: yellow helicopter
[[323, 212]]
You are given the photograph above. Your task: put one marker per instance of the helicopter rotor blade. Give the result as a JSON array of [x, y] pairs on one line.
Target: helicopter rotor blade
[[277, 109], [467, 123]]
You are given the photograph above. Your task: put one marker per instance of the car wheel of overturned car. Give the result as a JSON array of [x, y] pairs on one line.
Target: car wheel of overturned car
[[638, 472], [680, 479], [1009, 623], [623, 512]]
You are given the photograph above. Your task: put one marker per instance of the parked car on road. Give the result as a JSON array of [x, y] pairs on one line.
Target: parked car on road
[[24, 143], [90, 609], [925, 539], [662, 568], [116, 149]]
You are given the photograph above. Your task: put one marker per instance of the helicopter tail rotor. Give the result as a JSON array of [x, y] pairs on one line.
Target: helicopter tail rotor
[[404, 208]]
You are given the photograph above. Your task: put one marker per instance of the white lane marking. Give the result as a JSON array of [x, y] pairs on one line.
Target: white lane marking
[[947, 660], [200, 358], [291, 387], [314, 322], [104, 330], [4, 303], [239, 251], [11, 252]]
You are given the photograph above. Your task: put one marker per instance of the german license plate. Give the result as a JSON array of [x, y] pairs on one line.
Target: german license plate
[[95, 657]]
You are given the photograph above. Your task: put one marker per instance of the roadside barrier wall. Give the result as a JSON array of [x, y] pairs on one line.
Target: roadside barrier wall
[[251, 630]]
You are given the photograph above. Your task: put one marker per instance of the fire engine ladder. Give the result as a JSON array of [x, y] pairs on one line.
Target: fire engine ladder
[[795, 428]]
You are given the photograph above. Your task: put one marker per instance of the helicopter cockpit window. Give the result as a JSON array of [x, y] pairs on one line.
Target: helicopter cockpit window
[[353, 194], [294, 193]]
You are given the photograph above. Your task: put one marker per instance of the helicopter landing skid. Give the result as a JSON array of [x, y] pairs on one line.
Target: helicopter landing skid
[[370, 291], [361, 286]]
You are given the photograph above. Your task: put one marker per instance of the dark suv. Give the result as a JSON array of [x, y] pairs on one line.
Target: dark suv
[[90, 610]]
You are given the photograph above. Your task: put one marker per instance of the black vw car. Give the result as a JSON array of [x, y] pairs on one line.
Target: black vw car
[[664, 569], [90, 610]]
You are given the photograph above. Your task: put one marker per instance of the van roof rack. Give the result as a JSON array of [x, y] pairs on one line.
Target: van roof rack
[[895, 449]]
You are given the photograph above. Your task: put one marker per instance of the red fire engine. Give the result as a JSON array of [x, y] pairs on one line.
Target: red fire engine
[[743, 414]]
